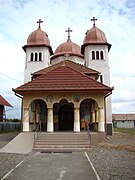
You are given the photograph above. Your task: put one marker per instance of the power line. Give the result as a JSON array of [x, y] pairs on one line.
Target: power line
[[10, 77]]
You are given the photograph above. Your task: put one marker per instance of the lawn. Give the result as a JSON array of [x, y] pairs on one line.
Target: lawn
[[125, 130]]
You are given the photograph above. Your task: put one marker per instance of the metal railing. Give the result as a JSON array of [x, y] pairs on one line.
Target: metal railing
[[37, 132], [89, 134]]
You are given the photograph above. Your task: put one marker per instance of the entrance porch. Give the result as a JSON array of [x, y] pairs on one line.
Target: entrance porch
[[64, 115]]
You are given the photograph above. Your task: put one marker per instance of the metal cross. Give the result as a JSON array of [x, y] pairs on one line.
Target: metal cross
[[39, 22], [68, 30], [93, 19]]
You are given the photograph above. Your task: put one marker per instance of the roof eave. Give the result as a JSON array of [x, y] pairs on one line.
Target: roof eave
[[38, 45], [96, 43]]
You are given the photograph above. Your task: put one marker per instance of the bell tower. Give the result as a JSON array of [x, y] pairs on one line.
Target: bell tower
[[38, 52], [96, 49]]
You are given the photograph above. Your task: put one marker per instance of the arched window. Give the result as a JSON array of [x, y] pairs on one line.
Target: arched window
[[93, 54], [40, 56], [36, 56], [101, 78], [101, 55], [31, 57], [97, 54]]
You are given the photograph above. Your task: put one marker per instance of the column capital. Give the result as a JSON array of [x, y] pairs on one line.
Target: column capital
[[76, 105], [25, 108], [101, 108], [49, 106]]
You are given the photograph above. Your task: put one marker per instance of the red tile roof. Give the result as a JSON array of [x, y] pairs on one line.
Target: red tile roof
[[123, 117], [71, 64], [62, 78], [4, 102]]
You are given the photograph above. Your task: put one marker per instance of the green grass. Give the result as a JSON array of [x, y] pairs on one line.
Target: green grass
[[6, 132], [130, 131]]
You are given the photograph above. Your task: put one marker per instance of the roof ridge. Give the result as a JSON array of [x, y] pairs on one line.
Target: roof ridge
[[67, 62]]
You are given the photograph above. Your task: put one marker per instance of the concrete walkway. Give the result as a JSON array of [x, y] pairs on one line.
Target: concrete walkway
[[21, 144], [54, 166]]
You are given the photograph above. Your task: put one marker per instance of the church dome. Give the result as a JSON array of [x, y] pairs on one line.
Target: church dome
[[38, 37], [95, 36], [68, 48]]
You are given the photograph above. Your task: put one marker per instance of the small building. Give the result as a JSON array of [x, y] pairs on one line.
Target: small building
[[124, 120], [3, 103]]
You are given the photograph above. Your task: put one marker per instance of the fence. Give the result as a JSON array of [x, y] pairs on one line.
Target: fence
[[10, 126]]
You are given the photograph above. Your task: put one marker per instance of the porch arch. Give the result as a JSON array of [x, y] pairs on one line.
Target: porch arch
[[37, 112], [63, 113], [89, 113]]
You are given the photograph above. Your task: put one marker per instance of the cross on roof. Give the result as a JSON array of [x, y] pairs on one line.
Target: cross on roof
[[93, 19], [68, 30], [39, 22]]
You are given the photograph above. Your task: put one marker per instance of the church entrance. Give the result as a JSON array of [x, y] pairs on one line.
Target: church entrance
[[63, 116], [66, 118]]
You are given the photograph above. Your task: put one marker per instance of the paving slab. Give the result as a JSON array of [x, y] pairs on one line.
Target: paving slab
[[21, 144], [54, 166]]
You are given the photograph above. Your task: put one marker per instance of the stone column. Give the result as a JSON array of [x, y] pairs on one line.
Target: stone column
[[93, 116], [76, 120], [50, 120], [101, 123], [25, 119]]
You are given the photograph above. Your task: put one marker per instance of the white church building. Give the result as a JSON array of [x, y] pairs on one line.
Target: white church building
[[69, 88]]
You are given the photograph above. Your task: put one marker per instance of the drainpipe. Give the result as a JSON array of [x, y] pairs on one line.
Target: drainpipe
[[21, 107], [105, 109]]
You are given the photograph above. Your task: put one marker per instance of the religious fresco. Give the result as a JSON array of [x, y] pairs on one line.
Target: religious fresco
[[38, 112], [85, 115]]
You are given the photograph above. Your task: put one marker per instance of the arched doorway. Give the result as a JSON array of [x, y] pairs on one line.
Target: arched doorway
[[38, 112], [66, 117], [63, 114], [89, 114]]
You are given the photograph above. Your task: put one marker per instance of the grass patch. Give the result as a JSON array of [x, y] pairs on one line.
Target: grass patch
[[130, 131], [8, 132]]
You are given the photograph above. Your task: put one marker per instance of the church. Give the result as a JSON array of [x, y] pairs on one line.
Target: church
[[68, 89]]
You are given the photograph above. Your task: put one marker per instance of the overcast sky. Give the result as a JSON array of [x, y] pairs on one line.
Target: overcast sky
[[115, 17]]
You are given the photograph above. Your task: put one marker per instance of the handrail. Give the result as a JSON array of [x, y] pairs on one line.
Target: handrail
[[89, 134], [37, 131]]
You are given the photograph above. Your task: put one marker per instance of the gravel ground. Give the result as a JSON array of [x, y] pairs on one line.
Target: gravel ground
[[113, 160]]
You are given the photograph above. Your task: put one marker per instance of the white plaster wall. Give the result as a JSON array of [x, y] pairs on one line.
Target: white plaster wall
[[100, 65], [103, 67], [33, 66], [75, 59], [125, 124]]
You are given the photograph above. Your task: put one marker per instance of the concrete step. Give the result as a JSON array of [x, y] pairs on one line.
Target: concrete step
[[60, 150], [58, 141], [62, 143]]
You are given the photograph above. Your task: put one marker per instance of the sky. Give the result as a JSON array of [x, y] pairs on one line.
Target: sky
[[115, 17]]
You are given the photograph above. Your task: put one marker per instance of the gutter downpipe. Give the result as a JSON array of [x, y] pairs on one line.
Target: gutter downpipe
[[21, 108], [105, 109]]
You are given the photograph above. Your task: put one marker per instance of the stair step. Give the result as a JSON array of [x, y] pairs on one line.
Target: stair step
[[62, 146], [60, 141]]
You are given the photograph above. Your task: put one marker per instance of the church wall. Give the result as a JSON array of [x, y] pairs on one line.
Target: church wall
[[58, 96], [75, 59], [101, 65], [33, 66]]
